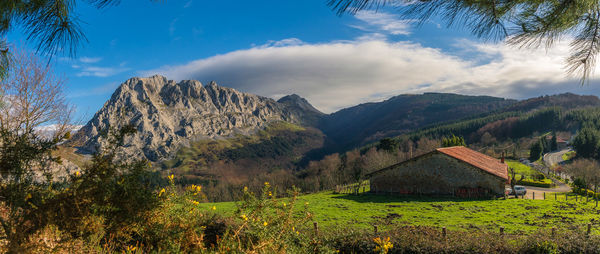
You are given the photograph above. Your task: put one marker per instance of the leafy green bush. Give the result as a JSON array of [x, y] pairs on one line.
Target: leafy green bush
[[419, 239], [269, 225], [579, 183], [584, 192], [106, 199], [546, 183]]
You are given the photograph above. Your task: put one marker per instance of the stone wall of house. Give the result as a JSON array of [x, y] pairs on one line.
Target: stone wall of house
[[437, 174], [562, 145]]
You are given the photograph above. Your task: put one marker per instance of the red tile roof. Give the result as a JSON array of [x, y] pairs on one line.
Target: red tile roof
[[558, 139], [477, 159]]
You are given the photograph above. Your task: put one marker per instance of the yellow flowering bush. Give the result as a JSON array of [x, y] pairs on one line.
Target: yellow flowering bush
[[178, 225], [382, 245], [268, 225]]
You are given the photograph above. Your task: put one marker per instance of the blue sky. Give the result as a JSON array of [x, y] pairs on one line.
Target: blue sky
[[273, 48]]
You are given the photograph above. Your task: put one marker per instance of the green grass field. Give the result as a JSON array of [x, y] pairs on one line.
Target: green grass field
[[527, 172], [569, 155], [521, 169], [515, 215]]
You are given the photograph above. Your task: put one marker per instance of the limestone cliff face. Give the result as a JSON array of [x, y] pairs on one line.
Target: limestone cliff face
[[169, 115]]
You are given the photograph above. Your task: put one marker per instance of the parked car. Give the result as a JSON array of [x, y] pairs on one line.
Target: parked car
[[520, 190]]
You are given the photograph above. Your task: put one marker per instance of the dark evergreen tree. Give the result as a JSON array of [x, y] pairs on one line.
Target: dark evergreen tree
[[553, 143], [453, 141], [535, 152], [388, 144], [545, 145], [587, 142]]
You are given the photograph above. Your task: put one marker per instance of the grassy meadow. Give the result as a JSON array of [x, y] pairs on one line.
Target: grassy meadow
[[515, 215], [569, 155], [529, 174]]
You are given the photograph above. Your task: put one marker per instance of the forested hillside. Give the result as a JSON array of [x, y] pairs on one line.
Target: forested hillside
[[565, 112], [369, 122]]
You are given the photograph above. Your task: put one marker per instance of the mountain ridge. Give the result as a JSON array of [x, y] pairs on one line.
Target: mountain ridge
[[169, 114], [402, 113]]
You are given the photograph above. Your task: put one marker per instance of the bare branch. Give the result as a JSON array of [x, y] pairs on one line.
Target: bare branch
[[33, 97]]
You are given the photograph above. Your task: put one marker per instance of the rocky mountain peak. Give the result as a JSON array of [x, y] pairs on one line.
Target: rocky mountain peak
[[297, 101], [169, 114], [302, 107]]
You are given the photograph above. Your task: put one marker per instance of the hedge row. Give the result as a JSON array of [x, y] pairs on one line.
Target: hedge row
[[589, 193], [543, 184], [419, 239]]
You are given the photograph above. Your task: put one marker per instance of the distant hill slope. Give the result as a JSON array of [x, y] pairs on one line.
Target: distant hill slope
[[561, 112], [302, 108], [565, 101], [369, 122], [170, 115], [279, 146]]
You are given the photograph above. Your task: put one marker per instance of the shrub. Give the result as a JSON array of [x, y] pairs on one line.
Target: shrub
[[105, 200], [579, 183], [547, 183], [420, 239], [268, 225]]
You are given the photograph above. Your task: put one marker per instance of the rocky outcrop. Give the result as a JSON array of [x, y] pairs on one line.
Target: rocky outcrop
[[169, 115]]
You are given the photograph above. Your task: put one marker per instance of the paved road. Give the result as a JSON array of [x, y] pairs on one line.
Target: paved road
[[552, 159], [539, 192]]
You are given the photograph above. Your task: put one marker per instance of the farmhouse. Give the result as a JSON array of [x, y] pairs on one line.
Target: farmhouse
[[456, 170], [561, 143]]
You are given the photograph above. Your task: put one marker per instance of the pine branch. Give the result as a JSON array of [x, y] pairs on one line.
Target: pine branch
[[525, 23], [585, 48]]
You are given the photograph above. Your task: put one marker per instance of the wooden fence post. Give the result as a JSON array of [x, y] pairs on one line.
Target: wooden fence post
[[544, 195], [589, 229], [316, 228], [533, 193], [555, 196], [444, 232]]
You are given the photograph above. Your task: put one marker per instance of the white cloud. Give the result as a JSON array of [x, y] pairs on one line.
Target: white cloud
[[172, 26], [95, 71], [89, 60], [85, 68], [281, 43], [344, 73], [383, 21]]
